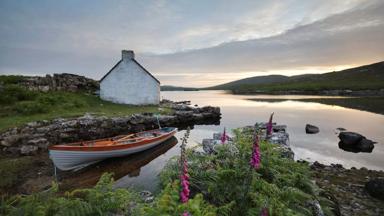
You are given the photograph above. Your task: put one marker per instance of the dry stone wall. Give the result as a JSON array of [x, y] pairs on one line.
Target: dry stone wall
[[35, 137], [65, 82]]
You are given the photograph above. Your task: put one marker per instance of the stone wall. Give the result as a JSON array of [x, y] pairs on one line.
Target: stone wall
[[35, 137], [66, 82]]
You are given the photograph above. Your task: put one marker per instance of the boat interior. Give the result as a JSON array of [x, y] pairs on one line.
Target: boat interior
[[123, 139]]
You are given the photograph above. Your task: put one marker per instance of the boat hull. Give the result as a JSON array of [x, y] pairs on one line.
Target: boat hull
[[75, 159]]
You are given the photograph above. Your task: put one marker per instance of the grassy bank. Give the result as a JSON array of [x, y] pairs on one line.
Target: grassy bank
[[220, 184], [19, 105]]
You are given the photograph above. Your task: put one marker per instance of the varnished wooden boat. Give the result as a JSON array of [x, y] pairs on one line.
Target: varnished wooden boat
[[80, 154]]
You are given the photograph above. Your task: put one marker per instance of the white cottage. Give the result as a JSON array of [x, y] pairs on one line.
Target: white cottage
[[130, 83]]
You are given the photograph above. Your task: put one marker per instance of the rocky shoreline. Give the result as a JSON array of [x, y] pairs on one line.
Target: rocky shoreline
[[35, 137], [24, 156], [347, 188]]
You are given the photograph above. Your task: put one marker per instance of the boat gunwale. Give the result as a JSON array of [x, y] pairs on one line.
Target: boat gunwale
[[118, 146]]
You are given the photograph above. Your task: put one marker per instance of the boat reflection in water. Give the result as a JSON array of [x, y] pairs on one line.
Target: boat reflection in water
[[129, 165]]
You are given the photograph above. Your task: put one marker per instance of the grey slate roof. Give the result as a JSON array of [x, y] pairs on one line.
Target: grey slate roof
[[133, 61]]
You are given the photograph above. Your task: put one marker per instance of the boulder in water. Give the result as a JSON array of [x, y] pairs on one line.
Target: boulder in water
[[366, 145], [311, 129], [350, 138], [354, 142]]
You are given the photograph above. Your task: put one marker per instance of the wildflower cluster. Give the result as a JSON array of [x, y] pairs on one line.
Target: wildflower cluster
[[184, 178], [256, 157]]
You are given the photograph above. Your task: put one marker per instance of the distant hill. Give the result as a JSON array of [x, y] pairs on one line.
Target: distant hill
[[177, 88], [252, 81], [367, 77]]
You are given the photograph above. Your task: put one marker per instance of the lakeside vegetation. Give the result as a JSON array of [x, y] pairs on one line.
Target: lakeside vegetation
[[367, 77], [19, 106], [220, 184]]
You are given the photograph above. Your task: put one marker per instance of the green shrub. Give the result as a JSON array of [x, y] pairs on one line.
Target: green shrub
[[10, 94], [11, 168], [11, 79], [227, 181], [168, 203], [29, 108], [100, 200]]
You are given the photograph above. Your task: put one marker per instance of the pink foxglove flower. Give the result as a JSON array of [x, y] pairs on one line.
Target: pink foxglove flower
[[264, 212], [186, 214], [223, 137], [255, 158], [184, 180], [269, 125]]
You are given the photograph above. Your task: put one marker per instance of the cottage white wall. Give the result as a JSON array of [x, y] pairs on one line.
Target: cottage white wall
[[128, 83]]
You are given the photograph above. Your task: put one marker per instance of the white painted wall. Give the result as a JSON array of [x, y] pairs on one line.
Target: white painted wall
[[128, 83]]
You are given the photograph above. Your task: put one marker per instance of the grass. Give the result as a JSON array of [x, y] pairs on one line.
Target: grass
[[19, 106], [12, 168]]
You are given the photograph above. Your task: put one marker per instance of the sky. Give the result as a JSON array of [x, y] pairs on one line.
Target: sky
[[190, 43]]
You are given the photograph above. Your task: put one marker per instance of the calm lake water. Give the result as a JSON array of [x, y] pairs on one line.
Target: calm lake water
[[242, 110]]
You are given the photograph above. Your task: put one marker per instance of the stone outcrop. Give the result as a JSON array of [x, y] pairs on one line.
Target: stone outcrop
[[35, 137], [57, 82], [279, 137]]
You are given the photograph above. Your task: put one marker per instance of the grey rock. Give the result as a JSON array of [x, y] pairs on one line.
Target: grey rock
[[146, 196], [316, 208], [350, 138], [41, 143], [11, 140], [28, 150], [208, 145], [311, 129], [375, 188], [366, 145]]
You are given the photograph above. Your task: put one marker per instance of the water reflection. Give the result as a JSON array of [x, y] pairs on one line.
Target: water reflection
[[296, 111], [125, 166], [141, 170], [370, 104]]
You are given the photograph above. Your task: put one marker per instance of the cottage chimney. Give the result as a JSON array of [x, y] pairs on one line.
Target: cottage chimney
[[127, 55]]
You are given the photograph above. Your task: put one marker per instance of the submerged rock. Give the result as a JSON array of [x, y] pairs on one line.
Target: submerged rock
[[311, 129], [375, 188]]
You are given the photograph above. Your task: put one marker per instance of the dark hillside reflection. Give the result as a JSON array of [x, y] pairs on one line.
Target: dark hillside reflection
[[370, 104]]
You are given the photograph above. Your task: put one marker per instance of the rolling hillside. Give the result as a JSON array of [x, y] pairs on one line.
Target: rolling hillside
[[367, 77], [177, 88]]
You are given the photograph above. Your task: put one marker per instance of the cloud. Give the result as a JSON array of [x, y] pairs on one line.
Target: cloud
[[351, 38], [189, 42]]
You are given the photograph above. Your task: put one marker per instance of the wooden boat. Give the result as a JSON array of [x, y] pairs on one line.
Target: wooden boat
[[81, 154]]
